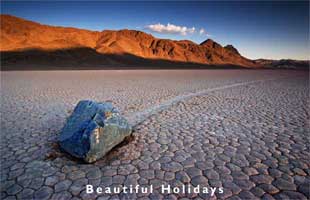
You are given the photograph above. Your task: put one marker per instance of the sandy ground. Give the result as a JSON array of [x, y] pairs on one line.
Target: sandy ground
[[244, 130]]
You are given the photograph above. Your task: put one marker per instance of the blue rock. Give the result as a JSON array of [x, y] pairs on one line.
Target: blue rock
[[92, 130]]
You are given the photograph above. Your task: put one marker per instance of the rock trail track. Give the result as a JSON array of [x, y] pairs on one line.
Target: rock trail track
[[139, 117], [249, 135]]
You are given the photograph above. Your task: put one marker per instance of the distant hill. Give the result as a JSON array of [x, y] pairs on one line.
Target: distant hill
[[27, 44], [283, 63]]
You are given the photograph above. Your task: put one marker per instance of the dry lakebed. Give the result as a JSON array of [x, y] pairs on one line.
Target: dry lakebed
[[236, 134]]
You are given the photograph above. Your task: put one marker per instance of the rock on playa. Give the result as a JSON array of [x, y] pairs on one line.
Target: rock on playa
[[92, 130]]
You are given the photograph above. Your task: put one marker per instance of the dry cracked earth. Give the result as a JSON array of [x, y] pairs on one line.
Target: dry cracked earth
[[251, 139]]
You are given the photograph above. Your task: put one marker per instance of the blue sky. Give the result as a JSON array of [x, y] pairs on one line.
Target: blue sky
[[257, 29]]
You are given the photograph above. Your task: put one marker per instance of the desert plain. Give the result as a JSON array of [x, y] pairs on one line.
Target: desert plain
[[246, 131]]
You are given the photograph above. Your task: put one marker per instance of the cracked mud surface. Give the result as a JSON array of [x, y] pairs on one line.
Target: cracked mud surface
[[252, 139]]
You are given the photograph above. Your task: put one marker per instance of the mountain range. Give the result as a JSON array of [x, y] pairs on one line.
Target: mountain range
[[26, 45]]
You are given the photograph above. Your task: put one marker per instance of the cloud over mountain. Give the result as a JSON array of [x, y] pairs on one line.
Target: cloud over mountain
[[202, 31], [170, 29]]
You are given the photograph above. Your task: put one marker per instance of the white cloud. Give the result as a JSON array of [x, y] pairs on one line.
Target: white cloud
[[202, 31], [170, 28]]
